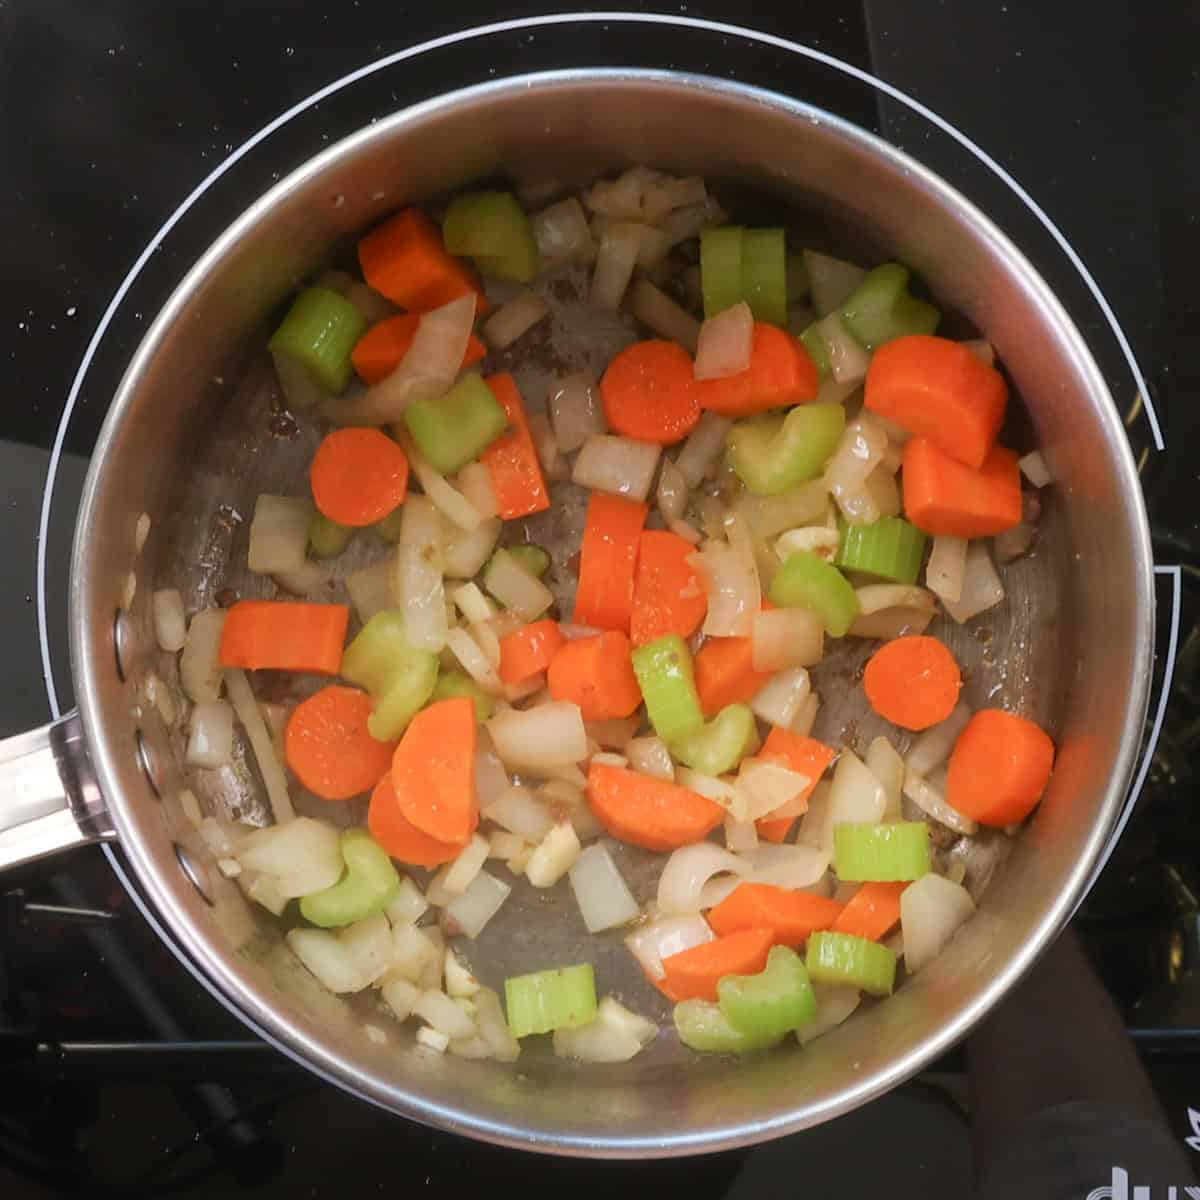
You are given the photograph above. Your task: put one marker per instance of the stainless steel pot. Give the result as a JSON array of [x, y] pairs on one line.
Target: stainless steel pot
[[187, 441]]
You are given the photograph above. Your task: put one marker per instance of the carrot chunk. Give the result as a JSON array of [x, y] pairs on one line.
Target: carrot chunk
[[327, 745], [942, 496]]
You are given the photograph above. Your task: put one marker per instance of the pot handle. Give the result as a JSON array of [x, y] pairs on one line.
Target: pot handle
[[49, 799]]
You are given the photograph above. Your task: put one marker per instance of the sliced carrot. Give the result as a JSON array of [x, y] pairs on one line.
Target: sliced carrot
[[781, 373], [871, 912], [693, 974], [942, 496], [404, 259], [358, 476], [913, 681], [937, 388], [790, 916], [668, 595], [378, 352], [399, 836], [607, 563], [804, 755], [282, 635], [649, 812], [512, 460], [529, 650], [327, 745], [999, 767], [649, 393], [725, 673], [597, 674], [433, 771]]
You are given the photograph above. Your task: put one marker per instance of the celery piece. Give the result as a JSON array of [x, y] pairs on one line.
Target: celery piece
[[327, 538], [881, 308], [773, 1002], [389, 527], [806, 580], [531, 557], [457, 427], [721, 744], [562, 998], [841, 958], [319, 332], [764, 274], [491, 228], [890, 852], [773, 452], [368, 885], [399, 678], [702, 1025], [664, 673], [454, 683], [721, 268], [814, 343], [890, 548]]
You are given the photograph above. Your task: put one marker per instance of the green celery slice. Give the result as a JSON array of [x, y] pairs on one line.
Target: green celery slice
[[389, 527], [772, 453], [452, 684], [327, 538], [561, 998], [841, 958], [456, 428], [702, 1025], [532, 557], [890, 548], [368, 885], [400, 678], [721, 744], [491, 228], [319, 332], [764, 274], [721, 268], [805, 580], [814, 343], [774, 1002], [889, 852], [882, 309], [664, 673]]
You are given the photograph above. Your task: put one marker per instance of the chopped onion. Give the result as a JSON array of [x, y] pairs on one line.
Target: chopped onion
[[740, 835], [279, 534], [519, 811], [417, 582], [659, 313], [369, 944], [475, 483], [692, 220], [327, 959], [493, 1028], [786, 866], [473, 660], [549, 735], [834, 1005], [190, 807], [371, 589], [199, 665], [929, 795], [575, 411], [608, 759], [505, 845], [472, 603], [664, 937], [856, 797], [554, 464], [414, 952], [815, 539], [931, 909], [781, 700], [614, 1035], [263, 890], [724, 344], [466, 550], [831, 280], [672, 492], [932, 747], [882, 488], [621, 197], [888, 610], [553, 856], [982, 349], [491, 779], [513, 319], [478, 904], [784, 638], [516, 588], [734, 594], [210, 742], [858, 453], [650, 756], [297, 383], [807, 716], [452, 502], [768, 516], [604, 898], [562, 234], [981, 587], [301, 855], [307, 579], [946, 567], [456, 876], [1033, 467], [261, 743], [688, 870], [848, 361], [702, 447], [443, 1014], [620, 245], [170, 626], [614, 733], [408, 905], [766, 787], [618, 465], [887, 766], [815, 828]]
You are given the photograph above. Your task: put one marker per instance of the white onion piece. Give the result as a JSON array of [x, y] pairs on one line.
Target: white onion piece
[[768, 516], [210, 740], [452, 503], [575, 411], [431, 1039], [417, 580], [883, 489], [170, 625], [740, 835], [767, 787], [946, 567], [603, 896], [688, 870], [929, 795], [620, 245], [857, 454], [505, 845], [493, 1028], [478, 904], [885, 763], [607, 758], [414, 952], [815, 539], [725, 342], [650, 756], [661, 315], [562, 234], [548, 735], [261, 743], [513, 319], [719, 791], [702, 448], [1033, 467], [931, 909], [888, 610], [793, 867], [473, 660], [553, 856], [783, 638], [664, 937], [734, 593], [848, 361], [981, 587], [369, 944], [932, 747], [475, 483], [614, 1035], [466, 550], [304, 581], [831, 281], [472, 603], [806, 718], [520, 591], [457, 875], [815, 829], [834, 1005], [682, 529], [491, 779], [781, 700], [199, 665], [408, 905], [301, 855], [672, 492], [371, 589], [278, 534], [620, 466], [613, 734], [297, 383], [519, 811], [692, 220], [712, 516], [856, 797], [443, 1014], [327, 960], [621, 197], [553, 462]]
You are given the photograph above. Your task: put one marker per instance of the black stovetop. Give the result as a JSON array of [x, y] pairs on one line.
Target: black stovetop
[[119, 1074]]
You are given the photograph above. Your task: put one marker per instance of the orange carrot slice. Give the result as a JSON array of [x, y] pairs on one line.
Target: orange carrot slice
[[871, 912], [649, 393], [597, 674], [668, 594], [358, 476], [942, 496], [604, 598], [280, 635], [693, 974], [512, 460], [327, 745], [379, 351], [649, 812], [912, 681], [790, 916], [781, 373], [433, 771], [999, 767], [529, 650], [399, 836]]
